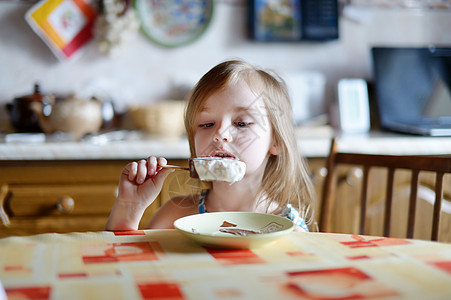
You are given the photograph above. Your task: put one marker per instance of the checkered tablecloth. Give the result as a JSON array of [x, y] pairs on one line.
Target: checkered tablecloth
[[164, 264]]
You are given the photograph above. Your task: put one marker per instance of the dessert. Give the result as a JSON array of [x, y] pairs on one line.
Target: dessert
[[217, 169], [239, 231], [228, 224], [231, 228]]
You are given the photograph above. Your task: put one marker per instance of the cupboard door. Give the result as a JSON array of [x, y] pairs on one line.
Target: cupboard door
[[59, 200], [35, 209]]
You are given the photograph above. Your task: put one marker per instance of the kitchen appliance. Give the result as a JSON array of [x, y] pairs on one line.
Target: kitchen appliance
[[413, 89]]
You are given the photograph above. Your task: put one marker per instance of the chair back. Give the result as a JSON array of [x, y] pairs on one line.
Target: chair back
[[440, 165]]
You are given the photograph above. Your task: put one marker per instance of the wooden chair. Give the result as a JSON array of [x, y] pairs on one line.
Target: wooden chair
[[437, 164]]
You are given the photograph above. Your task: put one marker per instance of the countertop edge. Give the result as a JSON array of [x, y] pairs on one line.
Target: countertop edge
[[310, 146]]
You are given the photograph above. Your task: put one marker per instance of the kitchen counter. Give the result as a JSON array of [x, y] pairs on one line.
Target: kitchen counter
[[133, 145], [85, 150]]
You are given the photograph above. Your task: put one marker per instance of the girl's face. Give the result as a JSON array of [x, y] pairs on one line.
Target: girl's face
[[233, 123]]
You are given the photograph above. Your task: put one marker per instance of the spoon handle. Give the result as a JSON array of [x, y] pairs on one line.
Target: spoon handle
[[191, 169], [176, 167]]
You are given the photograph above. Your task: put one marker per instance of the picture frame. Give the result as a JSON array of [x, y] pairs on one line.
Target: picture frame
[[275, 20], [293, 20]]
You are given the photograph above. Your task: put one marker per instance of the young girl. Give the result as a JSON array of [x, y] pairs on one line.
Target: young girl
[[235, 111]]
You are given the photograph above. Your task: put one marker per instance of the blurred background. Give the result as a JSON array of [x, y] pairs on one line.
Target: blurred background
[[140, 71]]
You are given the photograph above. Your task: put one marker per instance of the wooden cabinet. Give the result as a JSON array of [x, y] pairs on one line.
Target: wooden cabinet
[[73, 196], [69, 196], [56, 196]]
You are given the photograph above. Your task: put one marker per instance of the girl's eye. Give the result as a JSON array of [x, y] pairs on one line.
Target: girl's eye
[[206, 125], [243, 124]]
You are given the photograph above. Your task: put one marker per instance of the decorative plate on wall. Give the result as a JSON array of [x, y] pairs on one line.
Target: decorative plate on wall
[[174, 23]]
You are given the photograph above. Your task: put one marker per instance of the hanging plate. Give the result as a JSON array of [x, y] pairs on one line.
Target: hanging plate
[[174, 23]]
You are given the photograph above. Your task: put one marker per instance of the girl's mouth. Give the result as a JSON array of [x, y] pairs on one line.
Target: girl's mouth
[[224, 155]]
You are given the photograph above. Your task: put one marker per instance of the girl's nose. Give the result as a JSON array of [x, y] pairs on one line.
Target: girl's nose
[[223, 139], [223, 135]]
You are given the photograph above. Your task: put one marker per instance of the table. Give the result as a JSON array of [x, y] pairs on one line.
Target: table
[[164, 264]]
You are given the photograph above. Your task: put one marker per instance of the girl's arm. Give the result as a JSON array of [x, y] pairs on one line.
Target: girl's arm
[[139, 185]]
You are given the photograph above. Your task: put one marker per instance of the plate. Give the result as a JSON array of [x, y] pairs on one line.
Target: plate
[[205, 229], [173, 23]]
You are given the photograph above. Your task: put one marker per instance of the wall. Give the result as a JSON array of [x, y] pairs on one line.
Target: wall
[[145, 72]]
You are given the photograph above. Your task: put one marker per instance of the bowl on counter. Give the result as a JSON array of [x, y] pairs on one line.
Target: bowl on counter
[[163, 119]]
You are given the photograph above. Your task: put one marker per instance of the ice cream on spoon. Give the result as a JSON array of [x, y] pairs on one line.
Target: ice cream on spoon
[[215, 168]]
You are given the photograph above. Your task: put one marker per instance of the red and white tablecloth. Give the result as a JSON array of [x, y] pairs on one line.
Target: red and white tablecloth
[[164, 264]]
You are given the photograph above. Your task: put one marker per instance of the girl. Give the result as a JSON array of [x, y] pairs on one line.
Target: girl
[[235, 111]]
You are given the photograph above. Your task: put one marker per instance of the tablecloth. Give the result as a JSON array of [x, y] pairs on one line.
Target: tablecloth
[[164, 264]]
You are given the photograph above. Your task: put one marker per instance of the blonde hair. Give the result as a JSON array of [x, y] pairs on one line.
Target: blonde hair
[[286, 178]]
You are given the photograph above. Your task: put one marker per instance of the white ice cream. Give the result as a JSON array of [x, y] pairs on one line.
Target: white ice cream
[[219, 169]]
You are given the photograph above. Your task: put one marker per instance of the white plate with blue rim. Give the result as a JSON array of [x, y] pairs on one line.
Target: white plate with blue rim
[[174, 23], [234, 230]]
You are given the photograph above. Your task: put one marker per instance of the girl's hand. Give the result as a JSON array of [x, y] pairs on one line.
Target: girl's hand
[[139, 185], [141, 181]]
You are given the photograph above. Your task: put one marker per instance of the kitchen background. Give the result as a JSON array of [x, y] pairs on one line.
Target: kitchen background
[[143, 72], [39, 193]]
